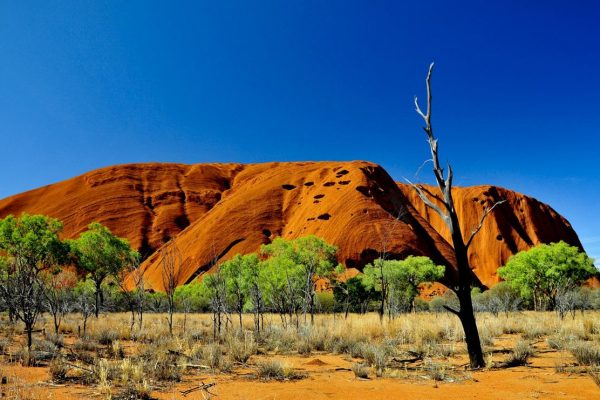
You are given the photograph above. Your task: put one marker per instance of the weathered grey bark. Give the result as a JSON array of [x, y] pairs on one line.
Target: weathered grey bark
[[444, 207]]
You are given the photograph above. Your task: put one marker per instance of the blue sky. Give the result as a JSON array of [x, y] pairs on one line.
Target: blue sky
[[517, 89]]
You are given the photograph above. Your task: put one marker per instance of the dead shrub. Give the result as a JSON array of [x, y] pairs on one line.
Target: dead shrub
[[106, 336], [275, 369], [360, 370], [58, 370], [585, 353], [519, 354], [241, 350]]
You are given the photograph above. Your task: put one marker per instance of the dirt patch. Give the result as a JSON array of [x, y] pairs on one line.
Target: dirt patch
[[316, 362]]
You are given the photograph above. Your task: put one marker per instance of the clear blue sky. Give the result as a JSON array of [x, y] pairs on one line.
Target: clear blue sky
[[517, 89]]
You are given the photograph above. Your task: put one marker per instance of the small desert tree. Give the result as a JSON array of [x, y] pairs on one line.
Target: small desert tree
[[240, 281], [443, 205], [500, 298], [191, 297], [170, 262], [376, 278], [216, 290], [546, 271], [352, 295], [133, 295], [28, 245], [58, 293], [100, 253], [254, 288], [84, 295], [231, 270], [282, 282], [409, 274], [399, 280], [313, 255]]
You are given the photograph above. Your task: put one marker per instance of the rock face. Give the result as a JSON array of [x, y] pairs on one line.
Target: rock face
[[145, 203], [213, 211], [518, 224]]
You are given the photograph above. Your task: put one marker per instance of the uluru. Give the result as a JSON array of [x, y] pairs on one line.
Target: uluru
[[214, 211]]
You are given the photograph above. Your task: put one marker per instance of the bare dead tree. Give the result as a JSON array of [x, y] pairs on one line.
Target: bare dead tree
[[171, 266], [58, 285], [136, 296], [26, 295], [444, 206], [137, 275]]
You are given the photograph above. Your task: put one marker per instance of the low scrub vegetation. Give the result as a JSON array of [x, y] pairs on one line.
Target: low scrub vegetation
[[409, 346]]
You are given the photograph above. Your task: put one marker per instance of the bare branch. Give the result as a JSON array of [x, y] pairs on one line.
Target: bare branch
[[421, 167], [426, 117], [431, 194], [429, 203], [452, 310], [428, 81], [486, 212], [418, 109], [449, 178]]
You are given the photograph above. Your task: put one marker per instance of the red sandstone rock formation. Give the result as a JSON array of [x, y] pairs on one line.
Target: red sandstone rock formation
[[518, 224], [213, 211]]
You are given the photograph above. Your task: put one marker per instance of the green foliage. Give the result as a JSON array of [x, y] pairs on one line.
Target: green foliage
[[28, 245], [352, 295], [325, 301], [291, 268], [32, 240], [101, 254], [399, 280], [282, 281], [192, 297], [310, 253], [448, 299], [500, 298], [542, 271], [239, 273]]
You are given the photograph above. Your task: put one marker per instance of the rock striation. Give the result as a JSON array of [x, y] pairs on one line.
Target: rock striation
[[213, 211]]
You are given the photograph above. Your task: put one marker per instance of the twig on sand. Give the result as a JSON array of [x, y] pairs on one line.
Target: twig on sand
[[203, 387]]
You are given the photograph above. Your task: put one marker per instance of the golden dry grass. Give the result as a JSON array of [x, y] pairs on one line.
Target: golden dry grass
[[114, 359]]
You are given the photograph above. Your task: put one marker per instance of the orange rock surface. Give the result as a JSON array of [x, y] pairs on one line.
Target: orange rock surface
[[518, 224], [213, 211]]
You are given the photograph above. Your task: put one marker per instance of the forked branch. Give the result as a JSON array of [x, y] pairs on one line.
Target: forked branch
[[486, 212], [429, 203], [452, 310]]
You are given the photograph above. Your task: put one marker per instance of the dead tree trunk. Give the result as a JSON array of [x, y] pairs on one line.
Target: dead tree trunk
[[444, 206]]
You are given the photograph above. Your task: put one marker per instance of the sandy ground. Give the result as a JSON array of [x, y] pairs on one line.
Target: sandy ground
[[329, 377]]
